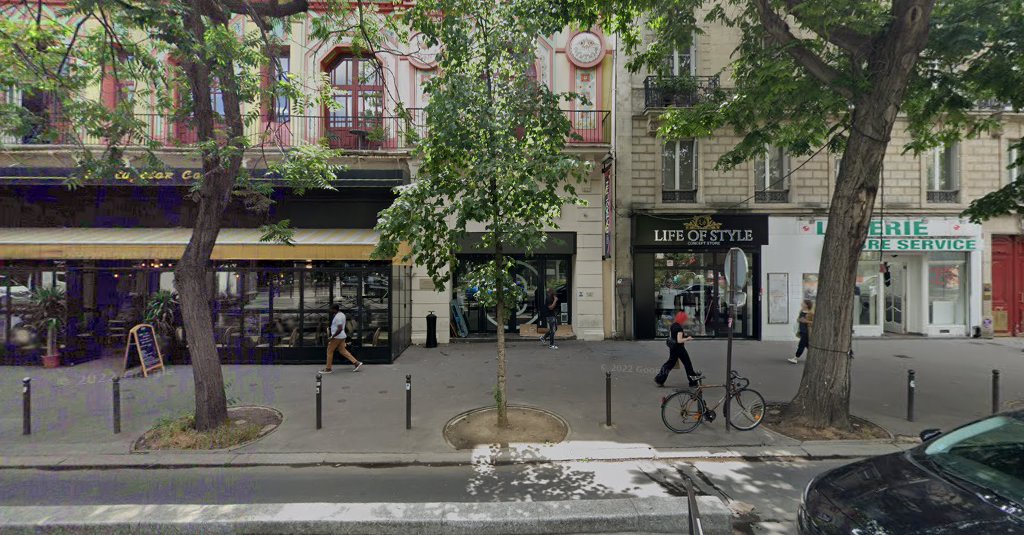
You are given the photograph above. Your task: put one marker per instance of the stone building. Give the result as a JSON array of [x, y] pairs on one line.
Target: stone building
[[925, 269]]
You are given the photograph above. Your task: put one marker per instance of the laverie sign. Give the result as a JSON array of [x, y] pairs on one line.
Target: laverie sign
[[913, 234]]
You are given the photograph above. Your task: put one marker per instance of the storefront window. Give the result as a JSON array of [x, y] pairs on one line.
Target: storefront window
[[947, 288], [695, 283], [865, 295], [533, 276]]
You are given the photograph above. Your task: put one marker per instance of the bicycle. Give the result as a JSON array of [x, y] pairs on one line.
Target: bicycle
[[684, 410]]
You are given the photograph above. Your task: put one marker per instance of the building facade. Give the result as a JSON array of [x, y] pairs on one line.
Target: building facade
[[111, 244], [924, 270]]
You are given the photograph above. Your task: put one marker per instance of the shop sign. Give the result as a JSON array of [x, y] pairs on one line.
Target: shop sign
[[913, 234], [702, 231]]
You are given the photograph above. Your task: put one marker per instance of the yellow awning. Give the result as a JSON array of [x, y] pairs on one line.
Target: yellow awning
[[169, 243]]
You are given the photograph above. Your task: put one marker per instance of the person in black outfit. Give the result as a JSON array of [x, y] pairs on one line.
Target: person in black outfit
[[677, 351], [804, 321], [550, 314]]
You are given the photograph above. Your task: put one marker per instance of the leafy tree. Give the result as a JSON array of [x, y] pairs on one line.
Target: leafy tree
[[493, 152], [164, 45], [834, 75]]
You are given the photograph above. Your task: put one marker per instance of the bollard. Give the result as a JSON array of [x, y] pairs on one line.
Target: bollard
[[408, 402], [910, 395], [319, 388], [995, 391], [26, 406], [117, 405], [608, 399]]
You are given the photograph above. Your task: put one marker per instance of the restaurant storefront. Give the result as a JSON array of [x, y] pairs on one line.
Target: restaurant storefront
[[679, 263], [264, 311]]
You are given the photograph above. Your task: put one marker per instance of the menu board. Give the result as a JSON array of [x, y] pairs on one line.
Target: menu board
[[142, 349]]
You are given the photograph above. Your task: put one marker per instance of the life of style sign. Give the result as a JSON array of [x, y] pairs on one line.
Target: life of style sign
[[705, 231]]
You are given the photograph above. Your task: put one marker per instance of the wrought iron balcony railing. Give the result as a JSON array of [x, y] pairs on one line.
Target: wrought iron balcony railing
[[678, 91]]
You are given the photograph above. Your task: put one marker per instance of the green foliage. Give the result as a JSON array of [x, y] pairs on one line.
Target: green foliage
[[160, 311], [47, 307], [280, 232], [493, 151]]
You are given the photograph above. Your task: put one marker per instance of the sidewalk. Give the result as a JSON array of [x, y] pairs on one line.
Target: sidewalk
[[364, 413]]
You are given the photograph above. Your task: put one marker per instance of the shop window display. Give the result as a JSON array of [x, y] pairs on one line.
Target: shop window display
[[947, 289], [865, 295]]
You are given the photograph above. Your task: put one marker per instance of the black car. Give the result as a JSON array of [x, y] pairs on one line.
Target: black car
[[968, 481]]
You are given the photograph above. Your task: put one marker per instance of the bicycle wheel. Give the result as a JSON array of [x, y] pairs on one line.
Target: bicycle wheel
[[746, 409], [682, 411]]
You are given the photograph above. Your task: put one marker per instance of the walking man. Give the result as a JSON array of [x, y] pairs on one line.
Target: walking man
[[550, 315], [338, 340], [804, 322]]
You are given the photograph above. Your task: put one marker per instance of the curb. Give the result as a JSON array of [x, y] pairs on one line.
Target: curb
[[524, 454], [648, 515]]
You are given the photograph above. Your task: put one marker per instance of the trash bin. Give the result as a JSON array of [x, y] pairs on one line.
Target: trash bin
[[431, 329]]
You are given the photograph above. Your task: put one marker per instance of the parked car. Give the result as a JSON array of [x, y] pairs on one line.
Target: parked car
[[970, 480]]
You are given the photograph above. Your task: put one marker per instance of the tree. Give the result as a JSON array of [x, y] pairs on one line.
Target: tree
[[838, 75], [492, 155], [63, 55]]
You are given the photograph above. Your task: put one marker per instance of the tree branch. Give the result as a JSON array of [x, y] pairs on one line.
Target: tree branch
[[267, 8], [778, 29]]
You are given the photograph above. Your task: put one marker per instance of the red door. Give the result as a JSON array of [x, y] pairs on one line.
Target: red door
[[1008, 284]]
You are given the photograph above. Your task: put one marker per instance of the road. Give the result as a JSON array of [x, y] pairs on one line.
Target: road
[[764, 493]]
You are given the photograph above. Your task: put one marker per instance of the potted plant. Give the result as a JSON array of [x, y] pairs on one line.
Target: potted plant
[[160, 313], [46, 314]]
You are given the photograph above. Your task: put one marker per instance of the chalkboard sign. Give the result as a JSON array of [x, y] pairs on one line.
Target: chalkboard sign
[[143, 349]]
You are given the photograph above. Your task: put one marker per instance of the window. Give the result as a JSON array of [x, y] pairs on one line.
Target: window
[[217, 98], [772, 176], [947, 288], [943, 165], [1013, 155], [125, 87], [680, 63], [281, 112], [355, 120], [867, 290], [679, 171]]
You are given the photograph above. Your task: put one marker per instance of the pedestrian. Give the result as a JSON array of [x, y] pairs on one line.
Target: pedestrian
[[337, 341], [550, 314], [804, 322], [677, 351]]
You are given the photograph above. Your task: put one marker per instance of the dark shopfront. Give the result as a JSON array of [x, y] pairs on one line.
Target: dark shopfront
[[679, 262], [550, 267], [263, 311]]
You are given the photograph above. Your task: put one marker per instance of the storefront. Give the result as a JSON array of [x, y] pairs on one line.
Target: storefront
[[917, 275], [549, 267], [269, 302], [679, 263]]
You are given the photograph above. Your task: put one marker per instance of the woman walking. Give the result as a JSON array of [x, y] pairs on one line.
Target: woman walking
[[677, 351], [804, 322]]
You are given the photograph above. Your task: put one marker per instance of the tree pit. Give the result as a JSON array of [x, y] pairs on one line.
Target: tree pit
[[861, 429], [245, 425], [479, 427]]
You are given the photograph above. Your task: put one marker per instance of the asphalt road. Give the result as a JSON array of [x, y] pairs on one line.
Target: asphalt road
[[765, 494]]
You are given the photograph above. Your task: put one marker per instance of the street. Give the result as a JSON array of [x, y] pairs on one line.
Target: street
[[771, 489]]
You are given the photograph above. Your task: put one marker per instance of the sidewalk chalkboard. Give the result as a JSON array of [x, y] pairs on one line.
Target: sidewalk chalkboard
[[142, 348]]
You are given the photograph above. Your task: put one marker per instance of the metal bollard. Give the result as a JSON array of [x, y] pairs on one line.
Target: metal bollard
[[911, 386], [117, 405], [319, 389], [608, 399], [408, 402], [26, 406], [995, 391]]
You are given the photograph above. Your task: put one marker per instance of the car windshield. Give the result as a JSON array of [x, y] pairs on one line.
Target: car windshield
[[989, 454]]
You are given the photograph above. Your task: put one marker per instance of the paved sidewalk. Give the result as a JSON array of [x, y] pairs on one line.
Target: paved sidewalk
[[364, 419]]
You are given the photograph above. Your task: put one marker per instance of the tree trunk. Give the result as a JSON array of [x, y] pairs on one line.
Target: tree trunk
[[500, 396], [823, 399], [191, 276]]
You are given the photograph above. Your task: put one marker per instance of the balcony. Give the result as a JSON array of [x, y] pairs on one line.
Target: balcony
[[679, 196], [771, 196], [944, 197], [678, 91], [338, 131]]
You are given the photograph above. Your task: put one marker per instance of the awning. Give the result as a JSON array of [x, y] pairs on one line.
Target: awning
[[169, 243]]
